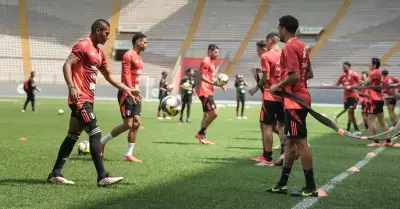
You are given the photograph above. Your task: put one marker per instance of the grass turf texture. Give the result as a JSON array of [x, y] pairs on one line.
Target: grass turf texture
[[177, 172]]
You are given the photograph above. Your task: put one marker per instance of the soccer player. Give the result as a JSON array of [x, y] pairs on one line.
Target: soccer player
[[240, 86], [162, 93], [296, 70], [376, 107], [365, 102], [80, 73], [350, 78], [29, 88], [132, 66], [206, 92], [390, 103], [187, 94]]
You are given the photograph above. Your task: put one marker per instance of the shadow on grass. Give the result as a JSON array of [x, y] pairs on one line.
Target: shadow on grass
[[246, 138], [175, 143], [23, 181], [246, 148]]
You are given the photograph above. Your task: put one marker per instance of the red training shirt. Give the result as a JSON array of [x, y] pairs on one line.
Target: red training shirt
[[350, 78], [270, 64], [207, 68]]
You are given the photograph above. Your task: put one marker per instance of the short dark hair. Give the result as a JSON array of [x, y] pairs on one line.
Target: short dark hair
[[137, 36], [364, 72], [261, 44], [212, 47], [375, 61], [290, 23], [99, 23], [347, 64], [385, 72], [188, 69], [164, 73], [272, 35]]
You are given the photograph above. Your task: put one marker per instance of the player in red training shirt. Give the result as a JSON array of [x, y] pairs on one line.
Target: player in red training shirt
[[365, 101], [376, 107], [296, 70], [206, 92], [29, 88], [80, 73], [350, 78], [390, 103], [132, 66]]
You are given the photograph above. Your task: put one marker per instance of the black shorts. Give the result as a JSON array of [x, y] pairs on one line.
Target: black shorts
[[241, 98], [187, 98], [84, 114], [208, 103], [351, 103], [365, 107], [391, 102], [271, 112], [376, 107], [127, 108], [295, 124]]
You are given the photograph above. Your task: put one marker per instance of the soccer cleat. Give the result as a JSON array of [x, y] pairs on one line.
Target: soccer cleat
[[388, 144], [160, 118], [239, 118], [374, 144], [108, 180], [357, 133], [188, 120], [23, 111], [258, 159], [59, 179], [244, 117], [132, 159], [265, 163], [102, 151], [305, 192], [277, 190], [181, 121], [168, 118], [209, 142], [202, 138]]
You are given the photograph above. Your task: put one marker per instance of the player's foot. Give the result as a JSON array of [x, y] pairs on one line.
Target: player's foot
[[244, 117], [58, 179], [357, 133], [277, 190], [202, 139], [388, 144], [132, 159], [396, 145], [108, 180], [160, 118], [305, 192], [265, 163], [258, 159], [188, 120], [181, 121], [279, 162], [392, 128], [102, 150], [374, 144], [168, 118], [209, 142], [238, 117], [23, 111]]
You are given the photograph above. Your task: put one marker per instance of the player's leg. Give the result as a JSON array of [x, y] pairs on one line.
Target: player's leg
[[280, 116], [237, 106], [365, 109], [189, 105], [243, 101], [351, 116], [267, 124], [33, 102], [184, 102], [381, 120], [371, 122], [28, 99], [210, 113], [391, 106], [342, 112], [74, 132], [134, 129]]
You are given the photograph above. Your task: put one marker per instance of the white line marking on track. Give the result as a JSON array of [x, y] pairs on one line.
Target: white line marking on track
[[308, 202]]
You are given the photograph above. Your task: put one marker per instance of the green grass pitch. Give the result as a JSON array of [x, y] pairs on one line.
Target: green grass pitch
[[177, 172]]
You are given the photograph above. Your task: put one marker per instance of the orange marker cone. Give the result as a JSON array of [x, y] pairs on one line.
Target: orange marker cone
[[396, 145], [179, 124], [353, 169], [23, 139], [371, 154], [322, 193]]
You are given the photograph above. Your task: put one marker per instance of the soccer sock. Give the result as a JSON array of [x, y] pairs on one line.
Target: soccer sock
[[237, 108], [129, 150], [356, 126], [183, 109], [376, 142], [388, 141], [366, 124], [33, 104], [267, 155], [188, 111], [309, 174], [202, 130], [26, 104], [394, 124], [95, 152], [282, 149], [284, 176], [64, 152], [348, 126], [242, 108], [106, 138]]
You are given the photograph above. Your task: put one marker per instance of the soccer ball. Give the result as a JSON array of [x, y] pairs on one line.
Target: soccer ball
[[60, 111], [171, 105], [170, 87], [186, 86], [83, 148], [222, 79]]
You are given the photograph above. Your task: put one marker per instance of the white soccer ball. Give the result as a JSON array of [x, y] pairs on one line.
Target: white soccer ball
[[222, 79], [170, 87], [186, 86], [83, 148], [60, 111], [171, 105]]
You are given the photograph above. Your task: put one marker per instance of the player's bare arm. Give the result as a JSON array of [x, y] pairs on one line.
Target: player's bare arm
[[67, 71], [292, 78], [204, 79], [133, 93]]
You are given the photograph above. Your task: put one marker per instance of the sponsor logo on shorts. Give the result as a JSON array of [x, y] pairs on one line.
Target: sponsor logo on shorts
[[128, 112], [92, 116]]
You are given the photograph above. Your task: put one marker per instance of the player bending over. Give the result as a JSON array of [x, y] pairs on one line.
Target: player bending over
[[162, 93], [391, 101], [80, 73], [376, 107], [132, 66], [296, 70], [187, 91], [206, 92], [350, 78], [29, 88], [240, 86]]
